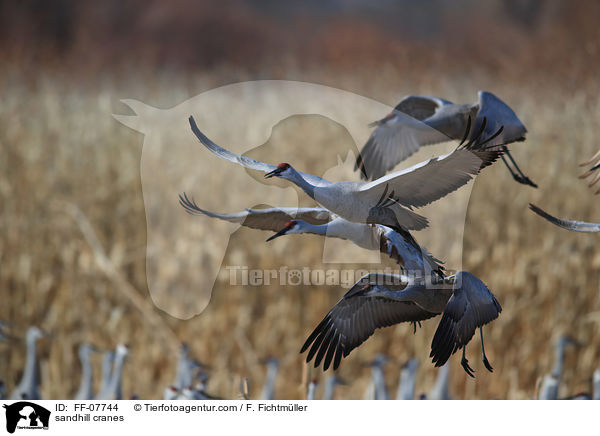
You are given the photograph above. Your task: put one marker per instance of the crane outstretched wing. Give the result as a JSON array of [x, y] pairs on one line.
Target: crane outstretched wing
[[393, 142], [245, 161], [421, 107], [431, 180], [272, 219], [353, 320], [574, 226], [399, 135], [595, 162]]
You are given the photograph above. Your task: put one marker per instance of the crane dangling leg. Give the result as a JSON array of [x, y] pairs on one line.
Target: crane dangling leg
[[484, 358], [465, 363], [512, 172], [518, 175], [414, 323]]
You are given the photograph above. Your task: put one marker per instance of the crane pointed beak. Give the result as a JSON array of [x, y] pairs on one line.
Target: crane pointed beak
[[275, 172], [278, 234]]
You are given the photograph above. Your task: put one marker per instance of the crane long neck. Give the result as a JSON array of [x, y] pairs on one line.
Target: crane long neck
[[302, 183], [316, 229], [269, 387], [85, 387], [107, 364], [360, 234], [549, 390], [406, 389], [596, 385], [441, 384], [115, 382], [559, 359], [30, 376], [329, 388], [379, 383], [183, 377]]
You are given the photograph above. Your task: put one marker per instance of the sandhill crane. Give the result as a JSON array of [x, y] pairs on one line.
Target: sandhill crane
[[401, 246], [199, 391], [113, 388], [382, 300], [311, 389], [193, 393], [268, 391], [4, 337], [187, 368], [108, 359], [471, 306], [549, 389], [378, 377], [184, 375], [85, 391], [244, 389], [171, 393], [28, 386], [369, 393], [596, 383], [202, 381], [574, 226], [595, 162], [331, 382], [421, 120], [441, 388], [408, 380], [559, 353], [551, 382], [387, 200], [187, 393]]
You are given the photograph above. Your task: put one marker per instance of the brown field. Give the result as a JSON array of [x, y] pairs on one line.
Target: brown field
[[60, 146]]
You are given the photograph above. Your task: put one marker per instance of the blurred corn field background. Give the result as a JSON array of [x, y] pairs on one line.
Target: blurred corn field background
[[66, 162]]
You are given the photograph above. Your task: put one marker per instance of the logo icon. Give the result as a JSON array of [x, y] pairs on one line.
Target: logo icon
[[26, 415]]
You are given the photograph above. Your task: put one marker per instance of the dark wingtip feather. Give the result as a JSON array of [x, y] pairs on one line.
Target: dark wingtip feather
[[363, 170], [324, 347], [497, 305], [443, 344], [358, 162], [194, 127], [316, 345], [338, 357], [331, 352], [311, 338], [467, 131], [190, 206]]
